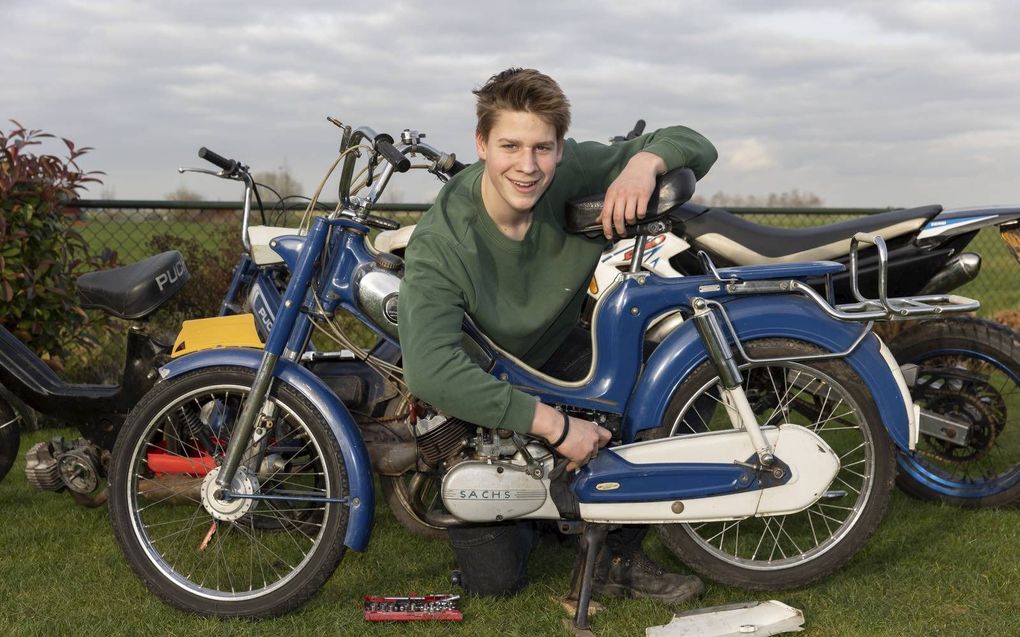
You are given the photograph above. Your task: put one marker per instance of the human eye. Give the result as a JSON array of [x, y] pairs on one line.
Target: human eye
[[508, 146]]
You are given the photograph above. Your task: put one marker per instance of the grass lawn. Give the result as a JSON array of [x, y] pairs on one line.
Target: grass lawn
[[929, 570]]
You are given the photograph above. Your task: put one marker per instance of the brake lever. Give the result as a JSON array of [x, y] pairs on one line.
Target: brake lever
[[215, 173]]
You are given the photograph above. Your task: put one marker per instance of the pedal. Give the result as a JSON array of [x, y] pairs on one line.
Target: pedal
[[412, 608]]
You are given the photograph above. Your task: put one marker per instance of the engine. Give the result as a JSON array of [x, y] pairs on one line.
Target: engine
[[492, 490], [56, 465], [486, 475]]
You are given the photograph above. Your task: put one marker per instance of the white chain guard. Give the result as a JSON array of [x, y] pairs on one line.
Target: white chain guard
[[813, 465]]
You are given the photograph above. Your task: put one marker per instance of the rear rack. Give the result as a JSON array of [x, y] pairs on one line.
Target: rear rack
[[864, 310]]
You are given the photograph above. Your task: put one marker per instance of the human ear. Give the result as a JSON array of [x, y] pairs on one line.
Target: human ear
[[480, 146]]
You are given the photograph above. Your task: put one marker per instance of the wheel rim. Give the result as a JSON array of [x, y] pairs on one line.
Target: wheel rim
[[791, 393], [227, 560], [997, 468]]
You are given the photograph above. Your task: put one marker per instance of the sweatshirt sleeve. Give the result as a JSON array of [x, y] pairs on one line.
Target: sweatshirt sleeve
[[678, 146], [436, 368]]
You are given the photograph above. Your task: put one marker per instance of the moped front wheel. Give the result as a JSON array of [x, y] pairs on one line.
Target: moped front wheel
[[788, 551], [214, 555]]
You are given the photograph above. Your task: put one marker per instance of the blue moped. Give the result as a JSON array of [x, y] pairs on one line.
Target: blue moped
[[763, 426]]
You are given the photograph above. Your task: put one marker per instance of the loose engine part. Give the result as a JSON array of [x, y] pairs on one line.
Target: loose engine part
[[56, 465]]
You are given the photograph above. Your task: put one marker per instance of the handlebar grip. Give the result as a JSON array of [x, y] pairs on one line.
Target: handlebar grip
[[382, 222], [211, 157], [401, 163]]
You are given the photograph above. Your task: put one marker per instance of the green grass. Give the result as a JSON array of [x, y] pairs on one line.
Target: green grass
[[929, 570]]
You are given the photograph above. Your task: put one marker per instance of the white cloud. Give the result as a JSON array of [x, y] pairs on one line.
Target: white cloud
[[864, 103]]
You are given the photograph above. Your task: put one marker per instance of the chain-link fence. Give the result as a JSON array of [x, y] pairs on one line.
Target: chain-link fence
[[134, 230]]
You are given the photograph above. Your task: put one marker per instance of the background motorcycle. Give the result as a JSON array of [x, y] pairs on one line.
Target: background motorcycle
[[281, 478], [131, 292]]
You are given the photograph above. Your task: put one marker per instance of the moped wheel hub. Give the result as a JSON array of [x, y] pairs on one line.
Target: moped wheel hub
[[233, 508]]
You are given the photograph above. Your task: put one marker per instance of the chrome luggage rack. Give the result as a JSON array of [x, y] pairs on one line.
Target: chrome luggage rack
[[864, 310]]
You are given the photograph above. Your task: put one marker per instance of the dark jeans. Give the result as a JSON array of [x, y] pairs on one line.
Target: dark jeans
[[493, 558]]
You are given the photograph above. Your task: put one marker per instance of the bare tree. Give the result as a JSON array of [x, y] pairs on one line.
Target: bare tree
[[279, 180], [183, 193], [791, 199]]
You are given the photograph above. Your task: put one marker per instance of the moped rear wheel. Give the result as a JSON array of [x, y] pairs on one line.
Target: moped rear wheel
[[10, 437], [243, 557], [788, 551], [968, 370]]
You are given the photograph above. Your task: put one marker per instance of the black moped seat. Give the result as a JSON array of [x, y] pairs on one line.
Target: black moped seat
[[741, 242], [674, 188], [136, 290]]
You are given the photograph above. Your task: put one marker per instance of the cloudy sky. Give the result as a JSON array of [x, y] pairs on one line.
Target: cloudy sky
[[862, 103]]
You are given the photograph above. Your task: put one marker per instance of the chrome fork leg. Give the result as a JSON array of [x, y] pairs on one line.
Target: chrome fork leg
[[242, 431], [737, 407]]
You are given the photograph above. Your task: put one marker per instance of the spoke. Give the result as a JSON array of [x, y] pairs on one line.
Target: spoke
[[848, 485], [783, 531], [860, 446], [754, 555], [859, 475], [825, 520]]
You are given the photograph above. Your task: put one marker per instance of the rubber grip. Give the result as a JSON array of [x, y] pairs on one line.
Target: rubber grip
[[401, 163], [382, 223], [219, 160]]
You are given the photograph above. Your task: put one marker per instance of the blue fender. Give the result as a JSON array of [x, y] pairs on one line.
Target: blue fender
[[359, 467], [767, 317]]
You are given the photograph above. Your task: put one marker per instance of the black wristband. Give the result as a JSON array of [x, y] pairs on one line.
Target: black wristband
[[563, 434]]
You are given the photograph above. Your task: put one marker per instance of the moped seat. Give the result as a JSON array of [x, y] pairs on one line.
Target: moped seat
[[136, 290], [674, 188], [741, 242]]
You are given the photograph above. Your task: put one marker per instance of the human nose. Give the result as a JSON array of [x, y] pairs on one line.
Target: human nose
[[527, 163]]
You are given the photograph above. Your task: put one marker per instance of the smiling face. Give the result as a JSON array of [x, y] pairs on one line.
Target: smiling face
[[520, 157]]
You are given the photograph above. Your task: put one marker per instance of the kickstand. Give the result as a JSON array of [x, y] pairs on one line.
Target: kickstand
[[592, 538]]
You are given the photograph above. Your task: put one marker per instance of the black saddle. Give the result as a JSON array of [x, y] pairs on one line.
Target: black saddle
[[720, 232], [674, 188], [135, 290]]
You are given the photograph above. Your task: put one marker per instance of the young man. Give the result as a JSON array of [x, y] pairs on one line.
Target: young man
[[493, 247]]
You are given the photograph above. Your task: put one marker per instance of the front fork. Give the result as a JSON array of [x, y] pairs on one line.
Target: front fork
[[737, 406]]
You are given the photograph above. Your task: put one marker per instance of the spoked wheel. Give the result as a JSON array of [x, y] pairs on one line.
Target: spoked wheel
[[968, 372], [10, 437], [411, 495], [787, 551], [208, 554]]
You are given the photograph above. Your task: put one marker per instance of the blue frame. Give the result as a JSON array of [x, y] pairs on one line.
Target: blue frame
[[336, 248]]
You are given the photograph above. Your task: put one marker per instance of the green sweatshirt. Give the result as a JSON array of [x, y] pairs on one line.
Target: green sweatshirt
[[524, 295]]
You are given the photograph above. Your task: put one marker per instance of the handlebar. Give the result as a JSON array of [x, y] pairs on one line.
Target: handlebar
[[228, 165], [381, 223], [384, 144]]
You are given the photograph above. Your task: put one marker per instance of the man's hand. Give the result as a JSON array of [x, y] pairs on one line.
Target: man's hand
[[627, 198], [582, 442]]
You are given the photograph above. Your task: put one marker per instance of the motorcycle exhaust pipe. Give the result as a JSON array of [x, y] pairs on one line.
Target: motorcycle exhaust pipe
[[961, 269], [175, 489], [393, 458]]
